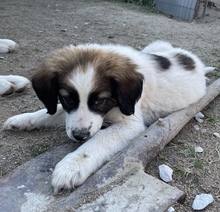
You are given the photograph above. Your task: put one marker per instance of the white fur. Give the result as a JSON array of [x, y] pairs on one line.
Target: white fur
[[7, 46], [163, 93], [12, 83], [37, 120], [158, 46], [83, 117]]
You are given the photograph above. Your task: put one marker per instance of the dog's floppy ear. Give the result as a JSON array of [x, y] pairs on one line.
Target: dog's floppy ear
[[45, 84], [127, 85], [46, 79]]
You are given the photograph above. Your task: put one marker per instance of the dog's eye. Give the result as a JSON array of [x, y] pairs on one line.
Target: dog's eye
[[67, 100], [99, 102], [68, 103], [101, 105]]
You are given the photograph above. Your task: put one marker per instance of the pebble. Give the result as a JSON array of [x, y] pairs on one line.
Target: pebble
[[201, 201], [170, 209], [196, 127], [161, 122], [165, 173], [217, 135], [199, 117], [199, 149], [21, 186], [203, 130]]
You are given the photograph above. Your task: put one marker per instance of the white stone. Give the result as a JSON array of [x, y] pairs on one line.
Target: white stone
[[203, 130], [201, 201], [217, 135], [199, 149], [199, 117], [21, 186], [165, 173], [171, 209], [196, 127], [199, 120]]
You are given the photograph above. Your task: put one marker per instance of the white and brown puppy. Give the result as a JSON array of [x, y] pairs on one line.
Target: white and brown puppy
[[108, 83]]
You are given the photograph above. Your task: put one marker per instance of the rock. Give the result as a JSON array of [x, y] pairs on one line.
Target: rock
[[199, 117], [196, 127], [203, 131], [199, 149], [165, 173], [171, 209], [201, 201], [217, 135]]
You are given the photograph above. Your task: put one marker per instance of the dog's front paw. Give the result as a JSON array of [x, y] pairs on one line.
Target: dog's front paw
[[72, 171], [13, 83], [20, 122]]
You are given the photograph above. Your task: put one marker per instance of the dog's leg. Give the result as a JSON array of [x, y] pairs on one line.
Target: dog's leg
[[13, 83], [7, 45], [36, 120], [77, 166]]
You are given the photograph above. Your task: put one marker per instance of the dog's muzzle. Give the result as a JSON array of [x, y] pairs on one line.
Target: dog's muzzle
[[81, 134]]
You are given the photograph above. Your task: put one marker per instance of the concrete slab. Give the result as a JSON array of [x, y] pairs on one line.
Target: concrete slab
[[28, 188], [140, 192], [30, 182]]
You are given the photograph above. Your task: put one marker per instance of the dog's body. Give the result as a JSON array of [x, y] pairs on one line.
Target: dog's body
[[114, 84]]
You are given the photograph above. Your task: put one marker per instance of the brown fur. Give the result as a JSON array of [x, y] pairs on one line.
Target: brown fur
[[114, 73]]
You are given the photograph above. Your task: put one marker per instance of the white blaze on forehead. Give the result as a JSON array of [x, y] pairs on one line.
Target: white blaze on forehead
[[82, 117], [83, 82]]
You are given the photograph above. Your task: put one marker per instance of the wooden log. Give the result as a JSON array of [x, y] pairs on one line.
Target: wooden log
[[138, 153]]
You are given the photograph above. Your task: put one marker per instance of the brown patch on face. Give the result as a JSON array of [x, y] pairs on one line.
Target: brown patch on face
[[115, 74], [51, 73], [118, 73]]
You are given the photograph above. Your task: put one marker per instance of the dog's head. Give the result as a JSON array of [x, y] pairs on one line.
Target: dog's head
[[89, 82]]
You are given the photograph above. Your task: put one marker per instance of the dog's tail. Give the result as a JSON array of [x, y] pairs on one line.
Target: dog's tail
[[157, 46]]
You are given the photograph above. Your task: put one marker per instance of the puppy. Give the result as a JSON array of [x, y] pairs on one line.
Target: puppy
[[98, 84]]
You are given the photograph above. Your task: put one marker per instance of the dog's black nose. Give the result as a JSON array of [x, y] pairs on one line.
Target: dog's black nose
[[81, 135]]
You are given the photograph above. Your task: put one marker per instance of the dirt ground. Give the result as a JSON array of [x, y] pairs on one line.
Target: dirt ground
[[39, 26]]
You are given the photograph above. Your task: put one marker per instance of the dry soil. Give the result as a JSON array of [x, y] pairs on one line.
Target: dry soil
[[40, 26]]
